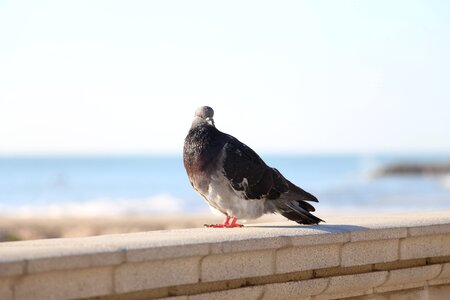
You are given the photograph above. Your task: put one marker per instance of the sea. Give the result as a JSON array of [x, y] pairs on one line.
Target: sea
[[91, 186]]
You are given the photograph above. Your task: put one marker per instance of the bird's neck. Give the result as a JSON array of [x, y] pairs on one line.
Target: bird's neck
[[202, 146], [199, 122]]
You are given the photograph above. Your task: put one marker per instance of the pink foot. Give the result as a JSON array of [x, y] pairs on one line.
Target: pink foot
[[226, 224]]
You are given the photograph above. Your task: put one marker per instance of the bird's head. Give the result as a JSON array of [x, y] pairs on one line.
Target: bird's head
[[204, 114]]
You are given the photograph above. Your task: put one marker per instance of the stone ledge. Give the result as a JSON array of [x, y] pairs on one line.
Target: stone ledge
[[345, 257], [368, 252], [410, 277]]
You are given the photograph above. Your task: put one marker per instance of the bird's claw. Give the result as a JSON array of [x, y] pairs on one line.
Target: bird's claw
[[227, 224], [223, 225]]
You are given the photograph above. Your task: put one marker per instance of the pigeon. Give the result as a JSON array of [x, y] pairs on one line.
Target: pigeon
[[235, 181]]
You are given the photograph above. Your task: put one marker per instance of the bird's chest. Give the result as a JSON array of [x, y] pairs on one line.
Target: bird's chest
[[221, 196], [201, 150], [201, 156]]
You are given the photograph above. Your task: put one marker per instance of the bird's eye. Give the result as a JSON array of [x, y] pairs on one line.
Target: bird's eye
[[210, 121]]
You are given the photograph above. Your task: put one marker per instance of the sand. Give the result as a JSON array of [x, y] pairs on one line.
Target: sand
[[30, 228]]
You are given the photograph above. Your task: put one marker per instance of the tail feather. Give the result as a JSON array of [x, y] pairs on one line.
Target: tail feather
[[306, 205], [296, 212], [292, 203], [300, 193]]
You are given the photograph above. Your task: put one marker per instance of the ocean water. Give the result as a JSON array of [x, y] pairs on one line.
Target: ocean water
[[127, 185]]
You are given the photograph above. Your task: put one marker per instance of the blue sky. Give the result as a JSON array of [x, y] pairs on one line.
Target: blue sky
[[283, 76]]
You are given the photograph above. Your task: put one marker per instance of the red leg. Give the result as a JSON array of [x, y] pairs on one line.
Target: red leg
[[226, 224], [234, 223]]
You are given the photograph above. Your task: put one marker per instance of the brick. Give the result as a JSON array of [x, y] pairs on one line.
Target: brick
[[294, 290], [6, 292], [412, 275], [132, 277], [429, 230], [65, 285], [363, 253], [444, 281], [248, 293], [400, 287], [439, 292], [237, 265], [410, 294], [307, 258], [355, 282], [159, 253], [445, 271], [320, 239], [11, 268], [378, 234], [425, 246], [74, 262], [249, 245], [344, 295]]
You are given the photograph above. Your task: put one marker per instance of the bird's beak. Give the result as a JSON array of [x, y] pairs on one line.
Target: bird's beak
[[210, 121]]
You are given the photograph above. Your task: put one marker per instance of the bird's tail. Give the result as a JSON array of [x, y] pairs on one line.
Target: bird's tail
[[298, 211]]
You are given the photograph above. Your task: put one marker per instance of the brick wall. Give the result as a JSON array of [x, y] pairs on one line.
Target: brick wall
[[367, 257]]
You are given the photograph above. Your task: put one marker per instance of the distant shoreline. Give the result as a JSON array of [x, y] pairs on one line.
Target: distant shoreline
[[399, 169]]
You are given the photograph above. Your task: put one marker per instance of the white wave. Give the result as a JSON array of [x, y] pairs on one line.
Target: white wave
[[163, 203], [444, 181]]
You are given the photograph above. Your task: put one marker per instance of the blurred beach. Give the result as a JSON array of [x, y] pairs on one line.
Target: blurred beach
[[46, 197], [30, 228]]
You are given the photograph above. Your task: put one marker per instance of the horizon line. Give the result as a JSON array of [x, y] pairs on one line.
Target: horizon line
[[261, 153]]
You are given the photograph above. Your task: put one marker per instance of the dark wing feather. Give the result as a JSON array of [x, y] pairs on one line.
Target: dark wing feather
[[300, 192], [247, 172]]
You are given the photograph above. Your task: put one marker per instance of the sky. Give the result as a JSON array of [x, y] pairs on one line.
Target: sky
[[118, 77]]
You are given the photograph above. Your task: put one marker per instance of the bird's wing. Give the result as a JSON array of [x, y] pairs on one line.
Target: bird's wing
[[248, 173]]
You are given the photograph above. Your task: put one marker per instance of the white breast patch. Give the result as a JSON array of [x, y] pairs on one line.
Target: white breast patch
[[223, 197]]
